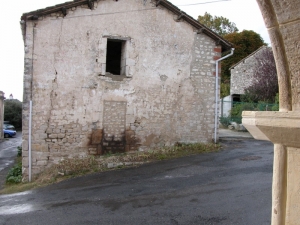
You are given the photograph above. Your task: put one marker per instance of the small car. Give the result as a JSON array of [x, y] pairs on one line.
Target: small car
[[8, 127], [9, 133]]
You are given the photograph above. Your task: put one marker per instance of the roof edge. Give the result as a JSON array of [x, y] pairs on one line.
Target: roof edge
[[248, 56], [226, 45], [34, 15]]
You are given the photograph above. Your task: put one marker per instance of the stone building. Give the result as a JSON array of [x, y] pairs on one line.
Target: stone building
[[241, 78], [1, 113], [115, 76], [242, 72]]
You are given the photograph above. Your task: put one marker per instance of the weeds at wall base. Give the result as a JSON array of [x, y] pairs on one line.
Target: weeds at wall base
[[74, 167], [14, 175]]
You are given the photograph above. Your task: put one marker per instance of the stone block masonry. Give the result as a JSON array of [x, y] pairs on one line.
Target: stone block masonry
[[163, 95], [242, 73], [114, 117]]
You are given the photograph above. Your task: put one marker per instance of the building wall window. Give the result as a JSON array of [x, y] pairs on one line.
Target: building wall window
[[113, 60], [115, 57]]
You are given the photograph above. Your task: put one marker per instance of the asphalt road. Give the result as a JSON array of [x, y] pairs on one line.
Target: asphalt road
[[232, 186], [8, 153]]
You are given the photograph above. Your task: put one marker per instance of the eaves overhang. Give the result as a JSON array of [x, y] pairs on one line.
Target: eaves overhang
[[182, 16]]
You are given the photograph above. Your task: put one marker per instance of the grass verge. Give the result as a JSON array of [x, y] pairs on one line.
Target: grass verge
[[79, 166]]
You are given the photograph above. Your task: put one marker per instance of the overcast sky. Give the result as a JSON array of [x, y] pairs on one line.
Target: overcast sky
[[244, 13]]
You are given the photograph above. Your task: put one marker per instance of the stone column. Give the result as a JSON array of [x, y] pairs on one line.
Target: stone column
[[282, 18], [279, 185], [1, 113]]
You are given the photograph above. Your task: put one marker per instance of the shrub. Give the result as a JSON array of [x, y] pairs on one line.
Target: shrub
[[224, 89], [275, 107], [238, 108], [225, 121], [19, 151], [14, 175], [13, 112]]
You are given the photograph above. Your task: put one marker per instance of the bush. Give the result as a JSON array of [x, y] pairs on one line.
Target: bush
[[14, 175], [225, 121], [13, 112], [275, 107], [238, 108], [19, 151], [224, 89]]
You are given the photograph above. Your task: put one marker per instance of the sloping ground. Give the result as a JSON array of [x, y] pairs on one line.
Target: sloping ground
[[232, 186]]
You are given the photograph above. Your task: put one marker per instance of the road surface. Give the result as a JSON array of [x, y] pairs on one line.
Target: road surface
[[230, 187]]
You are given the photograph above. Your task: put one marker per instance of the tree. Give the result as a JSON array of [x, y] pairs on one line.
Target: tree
[[224, 89], [265, 82], [218, 24], [245, 43], [13, 112]]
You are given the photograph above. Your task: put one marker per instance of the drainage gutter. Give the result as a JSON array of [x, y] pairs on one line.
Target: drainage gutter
[[217, 92]]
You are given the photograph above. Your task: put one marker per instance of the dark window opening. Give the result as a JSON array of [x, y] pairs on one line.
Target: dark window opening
[[236, 98], [114, 56]]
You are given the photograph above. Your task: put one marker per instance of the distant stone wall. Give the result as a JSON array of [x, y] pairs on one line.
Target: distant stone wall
[[166, 94], [242, 73], [1, 113]]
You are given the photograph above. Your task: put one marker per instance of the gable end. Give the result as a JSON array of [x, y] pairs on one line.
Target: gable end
[[62, 8]]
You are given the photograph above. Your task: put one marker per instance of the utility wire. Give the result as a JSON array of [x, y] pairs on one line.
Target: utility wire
[[200, 3]]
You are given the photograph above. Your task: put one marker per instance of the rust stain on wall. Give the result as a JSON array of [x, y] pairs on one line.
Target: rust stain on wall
[[103, 144], [96, 136]]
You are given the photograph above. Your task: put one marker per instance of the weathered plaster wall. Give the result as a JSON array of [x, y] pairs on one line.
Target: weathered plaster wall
[[1, 113], [167, 95], [242, 73]]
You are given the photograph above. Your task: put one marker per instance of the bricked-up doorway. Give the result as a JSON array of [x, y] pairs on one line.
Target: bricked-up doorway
[[115, 56], [114, 124]]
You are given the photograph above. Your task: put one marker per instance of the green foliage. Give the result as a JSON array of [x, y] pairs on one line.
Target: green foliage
[[247, 96], [14, 175], [225, 89], [225, 121], [19, 151], [245, 43], [218, 24], [275, 107], [13, 112], [239, 107]]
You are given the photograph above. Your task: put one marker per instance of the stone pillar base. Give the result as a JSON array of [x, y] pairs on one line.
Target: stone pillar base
[[283, 129]]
